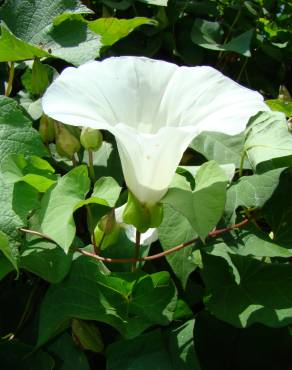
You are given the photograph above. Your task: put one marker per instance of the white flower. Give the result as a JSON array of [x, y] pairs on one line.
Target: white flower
[[154, 109], [147, 238]]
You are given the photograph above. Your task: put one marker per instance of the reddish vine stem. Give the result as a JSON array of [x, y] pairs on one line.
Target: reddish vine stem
[[212, 234]]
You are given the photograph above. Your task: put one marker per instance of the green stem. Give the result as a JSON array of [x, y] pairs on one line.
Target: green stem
[[90, 166], [91, 229], [137, 250], [242, 69], [230, 31], [10, 80], [74, 161], [240, 172]]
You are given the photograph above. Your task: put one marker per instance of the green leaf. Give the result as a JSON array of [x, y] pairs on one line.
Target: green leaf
[[278, 211], [16, 200], [243, 291], [204, 206], [16, 134], [174, 230], [46, 260], [129, 302], [40, 13], [66, 351], [224, 149], [268, 142], [280, 105], [17, 355], [5, 267], [41, 77], [7, 251], [251, 191], [72, 40], [34, 171], [59, 204], [257, 347], [159, 351], [146, 352], [108, 189], [181, 347], [112, 30], [209, 34], [13, 49]]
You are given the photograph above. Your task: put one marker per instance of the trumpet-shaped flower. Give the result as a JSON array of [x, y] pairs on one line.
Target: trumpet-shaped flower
[[153, 108]]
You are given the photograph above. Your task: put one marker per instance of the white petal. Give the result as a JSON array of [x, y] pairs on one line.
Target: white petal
[[149, 161], [102, 94], [205, 97]]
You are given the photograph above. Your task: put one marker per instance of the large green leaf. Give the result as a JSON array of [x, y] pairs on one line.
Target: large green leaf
[[209, 34], [45, 259], [251, 191], [35, 33], [243, 291], [257, 347], [278, 211], [280, 105], [268, 142], [66, 351], [112, 29], [13, 49], [176, 229], [204, 206], [16, 134], [15, 203], [35, 17], [172, 350], [59, 204], [108, 189], [222, 148], [34, 171], [130, 302], [17, 355]]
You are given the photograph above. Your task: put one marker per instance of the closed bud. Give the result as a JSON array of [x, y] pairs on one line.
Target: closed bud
[[107, 231], [284, 93], [46, 129], [90, 138], [66, 143]]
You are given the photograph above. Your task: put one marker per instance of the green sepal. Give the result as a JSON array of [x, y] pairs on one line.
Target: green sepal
[[141, 215]]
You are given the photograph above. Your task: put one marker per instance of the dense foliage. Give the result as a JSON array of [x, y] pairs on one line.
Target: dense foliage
[[223, 301]]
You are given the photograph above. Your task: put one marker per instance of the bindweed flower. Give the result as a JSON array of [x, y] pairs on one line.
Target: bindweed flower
[[154, 109]]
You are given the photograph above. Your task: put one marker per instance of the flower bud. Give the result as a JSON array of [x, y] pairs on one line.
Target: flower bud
[[90, 138], [284, 93], [66, 143], [46, 129], [107, 231]]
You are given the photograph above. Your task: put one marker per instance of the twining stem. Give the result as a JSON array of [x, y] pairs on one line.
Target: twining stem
[[90, 166], [212, 234], [10, 80], [137, 250], [91, 228], [74, 161]]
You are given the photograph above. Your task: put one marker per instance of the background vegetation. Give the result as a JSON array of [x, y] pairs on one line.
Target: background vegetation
[[223, 304]]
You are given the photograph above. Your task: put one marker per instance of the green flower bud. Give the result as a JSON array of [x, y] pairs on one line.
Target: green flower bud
[[107, 231], [284, 93], [66, 143], [46, 129], [90, 138]]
